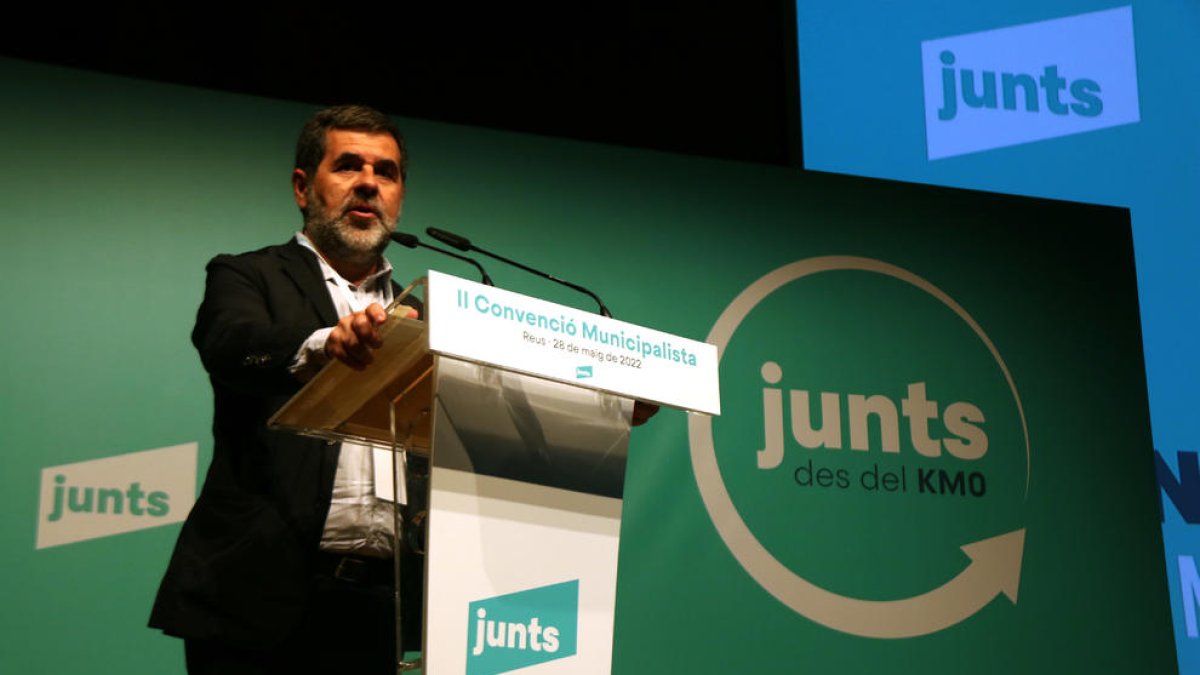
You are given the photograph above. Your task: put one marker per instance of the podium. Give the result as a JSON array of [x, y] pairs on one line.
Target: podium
[[523, 407]]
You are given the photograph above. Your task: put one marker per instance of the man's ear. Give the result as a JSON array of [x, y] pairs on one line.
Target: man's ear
[[300, 188]]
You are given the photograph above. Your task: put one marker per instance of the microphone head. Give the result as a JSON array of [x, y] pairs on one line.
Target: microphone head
[[449, 238], [404, 239]]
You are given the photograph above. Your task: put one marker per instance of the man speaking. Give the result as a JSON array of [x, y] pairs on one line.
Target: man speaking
[[285, 564]]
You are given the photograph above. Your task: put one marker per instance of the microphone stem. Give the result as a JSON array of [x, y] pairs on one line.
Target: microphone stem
[[603, 310], [487, 281]]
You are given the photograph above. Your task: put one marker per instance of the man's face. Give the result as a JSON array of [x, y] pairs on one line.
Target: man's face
[[352, 203]]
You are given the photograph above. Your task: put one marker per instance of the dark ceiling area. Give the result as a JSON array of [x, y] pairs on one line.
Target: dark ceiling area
[[672, 76]]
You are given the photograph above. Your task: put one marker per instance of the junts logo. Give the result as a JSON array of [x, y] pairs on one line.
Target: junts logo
[[1032, 82], [522, 629], [113, 495], [884, 425]]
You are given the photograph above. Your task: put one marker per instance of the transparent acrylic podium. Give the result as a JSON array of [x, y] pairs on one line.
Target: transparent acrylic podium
[[526, 469]]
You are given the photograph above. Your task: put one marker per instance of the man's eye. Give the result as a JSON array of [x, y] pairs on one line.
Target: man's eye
[[347, 164]]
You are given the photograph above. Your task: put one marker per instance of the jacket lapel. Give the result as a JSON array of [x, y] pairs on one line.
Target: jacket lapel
[[301, 265]]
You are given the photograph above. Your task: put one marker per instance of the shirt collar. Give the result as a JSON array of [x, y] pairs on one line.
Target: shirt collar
[[380, 276]]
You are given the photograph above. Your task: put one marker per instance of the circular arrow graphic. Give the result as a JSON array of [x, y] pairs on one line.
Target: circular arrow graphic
[[995, 568], [995, 565]]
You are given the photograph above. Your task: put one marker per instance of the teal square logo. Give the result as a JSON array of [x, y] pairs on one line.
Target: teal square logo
[[522, 629]]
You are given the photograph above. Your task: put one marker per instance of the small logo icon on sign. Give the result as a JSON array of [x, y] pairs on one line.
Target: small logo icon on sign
[[583, 372]]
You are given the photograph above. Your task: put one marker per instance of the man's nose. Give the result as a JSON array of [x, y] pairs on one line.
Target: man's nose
[[367, 182]]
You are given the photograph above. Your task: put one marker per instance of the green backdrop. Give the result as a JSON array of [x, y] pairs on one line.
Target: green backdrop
[[116, 192]]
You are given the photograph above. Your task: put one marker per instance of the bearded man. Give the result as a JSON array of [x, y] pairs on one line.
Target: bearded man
[[285, 564]]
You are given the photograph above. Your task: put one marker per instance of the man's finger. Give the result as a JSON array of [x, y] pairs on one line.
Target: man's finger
[[363, 325], [376, 313]]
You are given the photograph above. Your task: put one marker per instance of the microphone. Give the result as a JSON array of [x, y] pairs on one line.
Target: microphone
[[464, 244], [411, 241]]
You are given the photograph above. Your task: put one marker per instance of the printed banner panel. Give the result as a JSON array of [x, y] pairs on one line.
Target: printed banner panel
[[1072, 99], [988, 487]]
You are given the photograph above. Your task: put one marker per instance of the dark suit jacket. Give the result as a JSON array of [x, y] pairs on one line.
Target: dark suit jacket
[[242, 569]]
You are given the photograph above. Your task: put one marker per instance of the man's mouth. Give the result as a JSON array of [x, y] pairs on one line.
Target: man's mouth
[[363, 211]]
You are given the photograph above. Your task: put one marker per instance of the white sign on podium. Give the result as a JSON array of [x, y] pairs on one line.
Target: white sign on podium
[[516, 332]]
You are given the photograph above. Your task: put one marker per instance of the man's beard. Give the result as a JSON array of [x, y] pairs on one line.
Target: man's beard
[[338, 239]]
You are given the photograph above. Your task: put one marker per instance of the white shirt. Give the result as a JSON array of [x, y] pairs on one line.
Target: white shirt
[[358, 522]]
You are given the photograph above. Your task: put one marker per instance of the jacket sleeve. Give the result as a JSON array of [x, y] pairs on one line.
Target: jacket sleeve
[[250, 324]]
